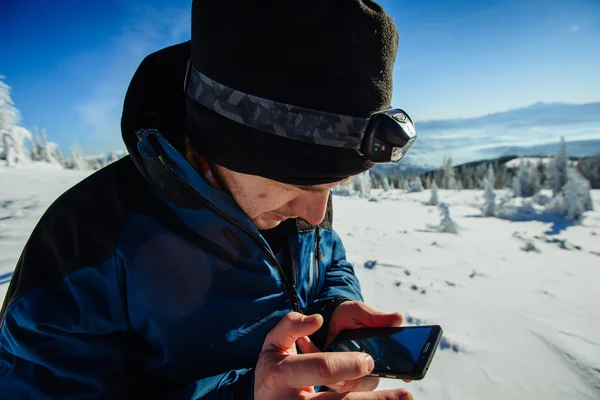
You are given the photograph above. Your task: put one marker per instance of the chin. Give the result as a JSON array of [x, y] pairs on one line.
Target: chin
[[264, 225]]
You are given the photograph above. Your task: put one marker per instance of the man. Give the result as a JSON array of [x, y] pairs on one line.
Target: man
[[197, 266]]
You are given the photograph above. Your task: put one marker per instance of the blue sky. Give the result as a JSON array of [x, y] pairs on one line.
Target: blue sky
[[69, 63]]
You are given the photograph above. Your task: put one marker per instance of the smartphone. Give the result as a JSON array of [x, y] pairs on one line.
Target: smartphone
[[399, 353]]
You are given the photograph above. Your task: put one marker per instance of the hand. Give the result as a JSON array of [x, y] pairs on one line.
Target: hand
[[282, 373], [354, 315]]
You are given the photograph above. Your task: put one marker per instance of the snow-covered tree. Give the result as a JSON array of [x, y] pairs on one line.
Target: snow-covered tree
[[526, 183], [574, 199], [428, 182], [401, 184], [489, 207], [433, 201], [447, 224], [491, 179], [43, 150], [362, 184], [77, 161], [449, 179], [559, 167], [416, 185], [516, 186], [12, 136]]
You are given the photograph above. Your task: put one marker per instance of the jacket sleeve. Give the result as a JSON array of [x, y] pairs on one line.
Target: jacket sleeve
[[339, 285], [69, 341], [232, 385]]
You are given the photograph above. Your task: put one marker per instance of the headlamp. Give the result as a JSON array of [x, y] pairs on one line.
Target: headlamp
[[383, 137]]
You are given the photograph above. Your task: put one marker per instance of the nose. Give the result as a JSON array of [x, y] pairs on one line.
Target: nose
[[310, 206]]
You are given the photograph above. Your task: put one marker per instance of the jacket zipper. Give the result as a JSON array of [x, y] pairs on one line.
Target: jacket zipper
[[290, 287], [317, 257]]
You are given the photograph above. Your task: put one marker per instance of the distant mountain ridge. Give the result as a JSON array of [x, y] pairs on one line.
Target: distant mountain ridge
[[528, 131]]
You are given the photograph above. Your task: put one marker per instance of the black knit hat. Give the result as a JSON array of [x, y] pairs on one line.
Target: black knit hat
[[329, 55]]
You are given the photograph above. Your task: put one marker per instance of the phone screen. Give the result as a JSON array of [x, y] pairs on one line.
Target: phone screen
[[395, 350]]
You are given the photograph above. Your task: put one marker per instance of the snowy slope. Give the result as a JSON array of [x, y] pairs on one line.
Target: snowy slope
[[25, 193], [518, 324]]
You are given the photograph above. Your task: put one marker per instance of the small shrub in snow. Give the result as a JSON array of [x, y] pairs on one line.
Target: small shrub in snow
[[489, 207], [433, 201], [516, 210], [447, 224], [416, 185], [541, 199]]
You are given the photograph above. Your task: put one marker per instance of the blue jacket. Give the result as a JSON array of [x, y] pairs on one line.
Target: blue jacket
[[145, 281]]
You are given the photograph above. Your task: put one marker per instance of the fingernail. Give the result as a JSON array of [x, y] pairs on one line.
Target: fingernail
[[370, 362], [309, 318], [406, 396]]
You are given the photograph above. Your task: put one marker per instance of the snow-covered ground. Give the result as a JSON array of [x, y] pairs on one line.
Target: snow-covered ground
[[518, 301]]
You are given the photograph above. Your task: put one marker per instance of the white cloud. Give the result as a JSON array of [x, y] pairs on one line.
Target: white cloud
[[575, 28], [149, 31]]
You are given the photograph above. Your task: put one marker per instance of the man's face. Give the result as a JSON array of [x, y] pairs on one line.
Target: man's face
[[267, 203]]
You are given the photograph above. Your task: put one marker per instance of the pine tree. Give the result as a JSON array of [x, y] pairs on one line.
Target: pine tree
[[428, 182], [447, 224], [433, 201], [362, 184], [489, 207], [416, 185], [516, 186], [77, 160], [491, 179], [559, 167], [12, 136], [386, 184], [449, 179]]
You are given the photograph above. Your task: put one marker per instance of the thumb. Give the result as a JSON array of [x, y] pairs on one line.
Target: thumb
[[293, 326]]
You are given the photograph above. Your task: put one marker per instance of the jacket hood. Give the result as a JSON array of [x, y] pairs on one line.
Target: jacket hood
[[155, 100]]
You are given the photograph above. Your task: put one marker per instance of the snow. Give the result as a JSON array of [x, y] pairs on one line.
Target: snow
[[518, 301]]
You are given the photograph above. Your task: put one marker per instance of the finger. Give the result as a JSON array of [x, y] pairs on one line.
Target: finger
[[397, 394], [322, 369], [366, 384], [376, 319], [306, 345], [294, 325]]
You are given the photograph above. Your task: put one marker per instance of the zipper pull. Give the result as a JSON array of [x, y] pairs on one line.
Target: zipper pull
[[295, 299]]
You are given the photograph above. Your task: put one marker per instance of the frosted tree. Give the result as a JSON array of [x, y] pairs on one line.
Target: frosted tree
[[386, 184], [428, 182], [447, 224], [559, 167], [449, 179], [12, 136], [489, 207], [433, 201], [575, 197], [77, 160], [401, 183], [490, 176], [416, 185], [516, 186], [362, 184], [526, 183]]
